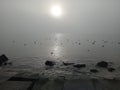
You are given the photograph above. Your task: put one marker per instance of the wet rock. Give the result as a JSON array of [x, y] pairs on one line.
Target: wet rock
[[94, 70], [5, 63], [66, 64], [79, 43], [103, 45], [9, 63], [94, 42], [25, 44], [3, 59], [51, 53], [79, 65], [49, 63], [111, 69], [35, 42], [102, 64], [88, 50]]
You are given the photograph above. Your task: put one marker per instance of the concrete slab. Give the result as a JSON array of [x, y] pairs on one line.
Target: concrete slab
[[53, 85], [106, 84], [15, 85], [92, 85], [39, 84], [78, 85]]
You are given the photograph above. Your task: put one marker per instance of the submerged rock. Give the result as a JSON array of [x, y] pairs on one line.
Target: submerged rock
[[66, 64], [111, 69], [49, 63], [9, 63], [94, 70], [102, 64], [79, 65]]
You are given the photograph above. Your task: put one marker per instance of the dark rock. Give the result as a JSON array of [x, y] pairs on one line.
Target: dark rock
[[93, 70], [9, 63], [51, 53], [3, 59], [66, 64], [93, 42], [49, 63], [5, 63], [35, 42], [79, 65], [25, 44], [88, 50], [102, 64], [103, 45], [111, 69], [79, 43]]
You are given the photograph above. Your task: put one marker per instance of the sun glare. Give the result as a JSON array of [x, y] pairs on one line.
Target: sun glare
[[56, 10]]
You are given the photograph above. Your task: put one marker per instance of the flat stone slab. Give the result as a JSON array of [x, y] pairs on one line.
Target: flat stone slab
[[40, 83], [15, 85], [53, 85], [79, 85], [106, 84], [92, 85]]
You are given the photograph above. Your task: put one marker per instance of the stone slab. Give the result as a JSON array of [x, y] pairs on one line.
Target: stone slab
[[15, 85]]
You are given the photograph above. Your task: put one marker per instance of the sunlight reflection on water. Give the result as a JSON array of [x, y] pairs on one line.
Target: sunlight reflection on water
[[56, 46]]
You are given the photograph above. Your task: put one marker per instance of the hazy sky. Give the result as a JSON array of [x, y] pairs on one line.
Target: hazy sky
[[27, 20]]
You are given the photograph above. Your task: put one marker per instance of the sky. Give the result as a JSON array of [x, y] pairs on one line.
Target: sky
[[22, 22]]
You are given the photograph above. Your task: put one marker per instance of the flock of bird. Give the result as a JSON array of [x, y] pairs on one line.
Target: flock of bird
[[92, 42]]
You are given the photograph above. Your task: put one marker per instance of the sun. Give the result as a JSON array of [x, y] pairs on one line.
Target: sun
[[56, 11]]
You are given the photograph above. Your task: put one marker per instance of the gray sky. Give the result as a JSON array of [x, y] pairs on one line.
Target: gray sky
[[27, 20]]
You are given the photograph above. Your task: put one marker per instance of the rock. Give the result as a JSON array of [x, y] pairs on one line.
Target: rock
[[79, 65], [93, 70], [51, 53], [9, 63], [79, 43], [49, 63], [102, 64], [5, 63], [66, 64], [103, 45], [94, 42], [111, 69], [3, 59], [88, 50]]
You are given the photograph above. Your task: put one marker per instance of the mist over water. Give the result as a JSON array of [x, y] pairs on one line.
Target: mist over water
[[85, 29]]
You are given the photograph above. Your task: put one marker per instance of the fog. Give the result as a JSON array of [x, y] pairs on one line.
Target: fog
[[86, 28]]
